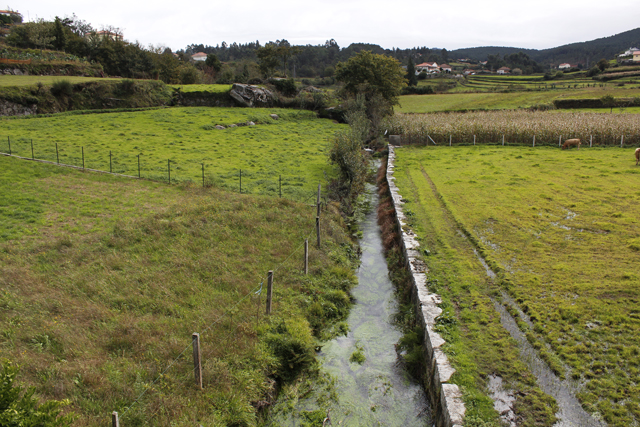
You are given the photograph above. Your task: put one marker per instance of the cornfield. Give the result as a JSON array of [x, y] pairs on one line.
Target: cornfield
[[517, 127]]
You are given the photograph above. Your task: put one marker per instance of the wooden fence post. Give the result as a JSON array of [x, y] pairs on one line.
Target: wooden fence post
[[318, 230], [110, 168], [534, 140], [560, 141], [32, 156], [203, 175], [474, 140], [57, 155], [306, 256], [449, 140], [82, 158], [318, 201], [240, 181], [169, 169], [269, 291], [138, 166], [197, 364], [503, 140], [114, 419], [9, 141], [590, 140], [622, 141]]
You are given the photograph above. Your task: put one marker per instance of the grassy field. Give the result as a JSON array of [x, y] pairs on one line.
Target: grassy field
[[560, 229], [293, 147], [498, 101], [9, 80], [103, 280], [202, 88]]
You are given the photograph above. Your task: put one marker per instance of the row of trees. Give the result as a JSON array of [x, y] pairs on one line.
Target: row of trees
[[117, 57]]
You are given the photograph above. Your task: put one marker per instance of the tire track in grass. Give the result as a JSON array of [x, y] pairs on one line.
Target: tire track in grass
[[571, 413]]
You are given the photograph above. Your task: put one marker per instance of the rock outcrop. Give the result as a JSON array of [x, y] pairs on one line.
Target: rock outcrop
[[252, 96]]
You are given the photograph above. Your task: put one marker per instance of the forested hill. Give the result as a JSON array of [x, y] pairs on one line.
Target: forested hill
[[584, 53]]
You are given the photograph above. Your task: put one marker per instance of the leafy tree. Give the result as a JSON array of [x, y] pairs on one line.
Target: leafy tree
[[213, 62], [59, 34], [371, 74], [19, 408], [267, 59], [411, 73], [603, 64]]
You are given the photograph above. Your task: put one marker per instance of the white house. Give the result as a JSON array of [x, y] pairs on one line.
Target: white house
[[200, 56], [446, 68], [503, 70], [564, 66], [428, 67], [636, 56]]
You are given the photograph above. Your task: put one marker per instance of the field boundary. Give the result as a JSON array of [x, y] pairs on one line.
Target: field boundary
[[446, 398]]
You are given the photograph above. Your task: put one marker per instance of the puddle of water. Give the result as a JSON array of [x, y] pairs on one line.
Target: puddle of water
[[571, 413], [378, 392]]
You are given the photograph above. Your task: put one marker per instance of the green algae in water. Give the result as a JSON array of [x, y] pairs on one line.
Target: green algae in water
[[377, 392]]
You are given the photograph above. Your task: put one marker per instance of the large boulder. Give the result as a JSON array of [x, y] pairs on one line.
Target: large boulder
[[252, 96]]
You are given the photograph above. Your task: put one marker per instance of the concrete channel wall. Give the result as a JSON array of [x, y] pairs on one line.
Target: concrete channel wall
[[446, 398]]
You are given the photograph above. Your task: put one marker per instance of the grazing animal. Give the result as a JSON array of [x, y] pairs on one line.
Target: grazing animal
[[637, 156], [571, 142]]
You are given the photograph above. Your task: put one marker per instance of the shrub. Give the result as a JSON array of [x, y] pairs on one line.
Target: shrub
[[127, 87], [18, 407], [61, 88], [287, 87]]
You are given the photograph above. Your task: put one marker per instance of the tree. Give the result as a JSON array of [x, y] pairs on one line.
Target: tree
[[18, 407], [372, 74], [267, 59], [603, 64], [411, 73], [213, 62], [59, 34]]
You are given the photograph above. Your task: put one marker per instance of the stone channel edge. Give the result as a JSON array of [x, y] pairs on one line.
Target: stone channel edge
[[446, 398]]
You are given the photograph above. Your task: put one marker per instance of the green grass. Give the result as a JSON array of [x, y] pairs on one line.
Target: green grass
[[202, 88], [9, 80], [293, 147], [104, 279], [496, 101], [560, 228]]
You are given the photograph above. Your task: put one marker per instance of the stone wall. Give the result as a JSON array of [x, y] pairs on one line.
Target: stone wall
[[8, 108], [446, 398]]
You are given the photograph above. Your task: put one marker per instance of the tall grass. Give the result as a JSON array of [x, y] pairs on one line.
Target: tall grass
[[103, 281]]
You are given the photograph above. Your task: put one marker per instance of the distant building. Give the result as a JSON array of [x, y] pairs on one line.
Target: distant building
[[564, 66], [106, 34], [200, 56], [503, 70], [445, 68], [428, 67], [636, 56]]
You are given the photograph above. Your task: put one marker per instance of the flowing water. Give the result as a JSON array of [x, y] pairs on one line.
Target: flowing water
[[378, 392]]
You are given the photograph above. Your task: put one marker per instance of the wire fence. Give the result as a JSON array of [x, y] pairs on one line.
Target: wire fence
[[231, 336], [154, 168]]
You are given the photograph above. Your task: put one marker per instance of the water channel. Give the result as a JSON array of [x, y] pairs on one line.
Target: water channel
[[378, 392]]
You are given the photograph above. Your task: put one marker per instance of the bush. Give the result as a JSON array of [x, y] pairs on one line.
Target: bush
[[127, 87], [287, 87], [61, 88], [18, 407]]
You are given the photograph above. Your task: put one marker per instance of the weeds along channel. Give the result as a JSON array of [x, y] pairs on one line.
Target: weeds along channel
[[559, 228], [103, 281]]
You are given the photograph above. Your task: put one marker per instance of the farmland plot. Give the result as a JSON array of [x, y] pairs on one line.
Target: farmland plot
[[287, 154], [560, 229]]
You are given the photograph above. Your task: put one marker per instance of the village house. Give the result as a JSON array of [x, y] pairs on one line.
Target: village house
[[110, 34], [564, 66], [200, 56], [427, 67], [503, 70], [636, 56], [446, 68]]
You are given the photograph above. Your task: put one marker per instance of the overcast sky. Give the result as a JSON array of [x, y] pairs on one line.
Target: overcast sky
[[449, 24]]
